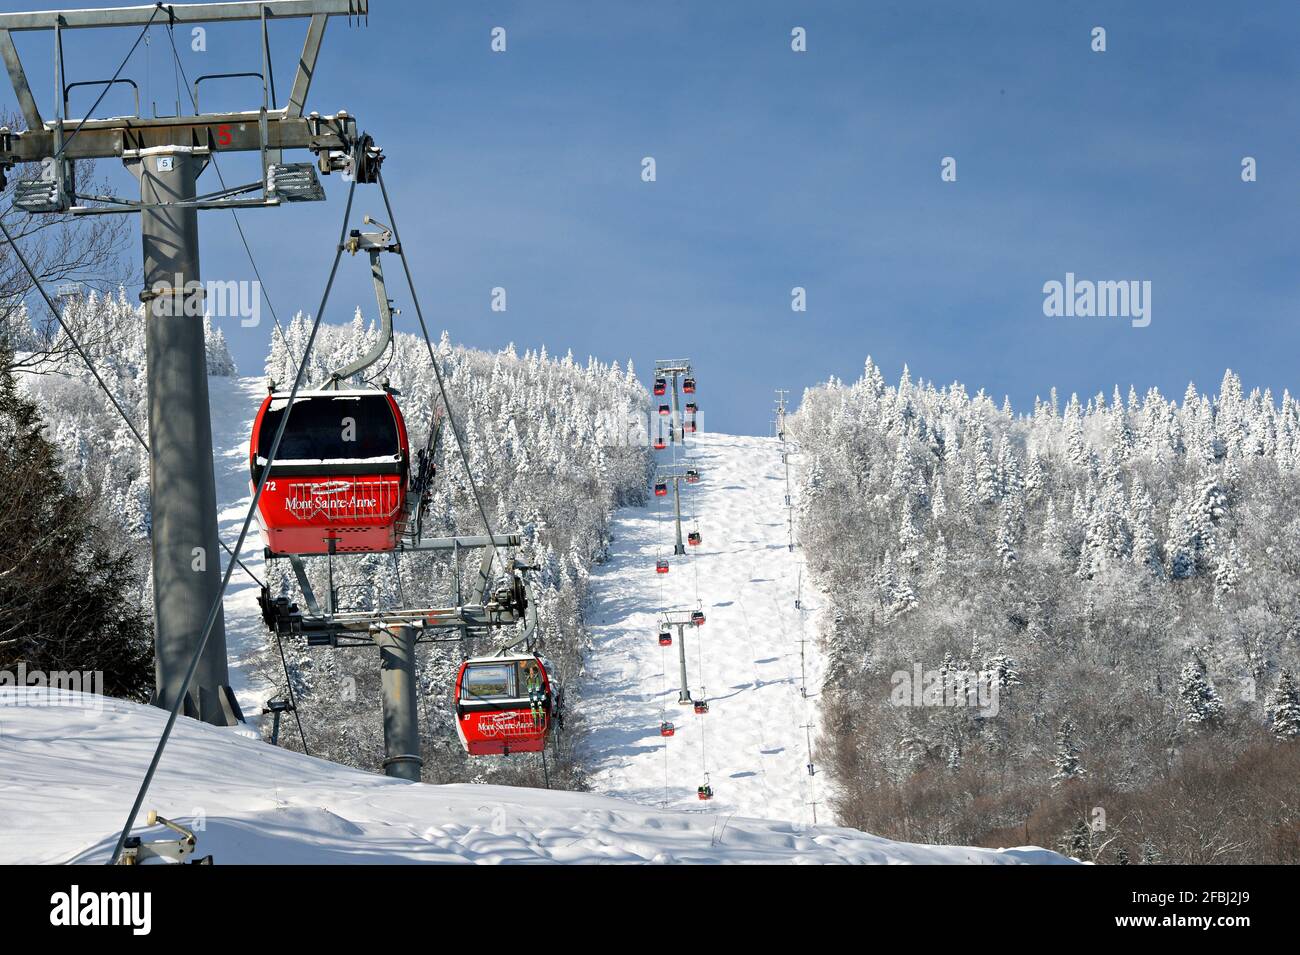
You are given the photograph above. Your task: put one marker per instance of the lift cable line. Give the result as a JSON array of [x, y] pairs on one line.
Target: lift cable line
[[701, 709], [216, 167], [437, 371], [180, 696], [40, 287], [293, 701], [107, 86], [780, 428]]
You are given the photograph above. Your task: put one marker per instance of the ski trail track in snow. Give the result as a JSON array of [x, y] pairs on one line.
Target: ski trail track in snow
[[234, 403]]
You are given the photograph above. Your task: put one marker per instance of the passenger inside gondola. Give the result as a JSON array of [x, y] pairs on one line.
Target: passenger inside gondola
[[507, 680]]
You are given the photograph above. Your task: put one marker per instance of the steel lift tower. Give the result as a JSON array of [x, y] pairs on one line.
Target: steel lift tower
[[680, 620], [166, 154], [677, 473]]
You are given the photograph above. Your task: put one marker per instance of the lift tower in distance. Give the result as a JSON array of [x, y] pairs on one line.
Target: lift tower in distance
[[166, 154], [680, 620], [674, 368], [677, 473]]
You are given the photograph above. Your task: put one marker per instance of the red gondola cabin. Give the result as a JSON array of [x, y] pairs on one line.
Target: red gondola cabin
[[692, 408], [504, 705], [660, 443], [688, 385], [665, 409], [694, 538], [665, 638], [701, 707], [661, 386], [661, 566], [705, 793], [692, 476], [661, 489], [697, 617], [341, 472], [667, 729]]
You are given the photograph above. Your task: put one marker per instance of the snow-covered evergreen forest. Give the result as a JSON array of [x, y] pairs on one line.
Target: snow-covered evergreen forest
[[1109, 593], [553, 447], [102, 458]]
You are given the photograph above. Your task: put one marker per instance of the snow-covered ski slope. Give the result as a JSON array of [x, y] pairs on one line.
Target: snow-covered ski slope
[[71, 772], [234, 403], [753, 744]]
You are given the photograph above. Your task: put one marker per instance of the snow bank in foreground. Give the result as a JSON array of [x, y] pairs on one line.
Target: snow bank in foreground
[[70, 773]]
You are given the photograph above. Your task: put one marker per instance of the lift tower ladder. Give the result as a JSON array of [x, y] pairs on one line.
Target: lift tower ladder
[[166, 154]]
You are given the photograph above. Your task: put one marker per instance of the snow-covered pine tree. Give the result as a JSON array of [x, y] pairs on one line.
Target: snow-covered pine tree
[[1283, 707], [1066, 765], [1202, 706]]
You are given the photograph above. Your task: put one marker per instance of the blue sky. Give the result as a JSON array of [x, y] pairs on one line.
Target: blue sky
[[820, 169]]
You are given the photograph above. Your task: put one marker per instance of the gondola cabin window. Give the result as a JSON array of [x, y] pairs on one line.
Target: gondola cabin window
[[490, 682]]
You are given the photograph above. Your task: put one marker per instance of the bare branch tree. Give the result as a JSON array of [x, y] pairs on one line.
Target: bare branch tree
[[62, 249]]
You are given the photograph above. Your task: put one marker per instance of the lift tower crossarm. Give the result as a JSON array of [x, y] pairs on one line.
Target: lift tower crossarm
[[675, 472], [222, 132], [215, 132], [673, 366], [182, 13]]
